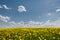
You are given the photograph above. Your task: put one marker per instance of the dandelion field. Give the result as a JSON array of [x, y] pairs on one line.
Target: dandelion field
[[30, 34]]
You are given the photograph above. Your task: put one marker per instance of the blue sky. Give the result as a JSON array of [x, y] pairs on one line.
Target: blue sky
[[27, 12]]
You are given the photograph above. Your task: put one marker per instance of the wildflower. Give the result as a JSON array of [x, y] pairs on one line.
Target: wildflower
[[53, 37]]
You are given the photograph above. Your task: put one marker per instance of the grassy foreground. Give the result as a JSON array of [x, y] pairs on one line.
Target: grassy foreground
[[30, 34]]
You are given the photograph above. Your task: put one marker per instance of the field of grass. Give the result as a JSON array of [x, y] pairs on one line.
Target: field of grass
[[30, 34]]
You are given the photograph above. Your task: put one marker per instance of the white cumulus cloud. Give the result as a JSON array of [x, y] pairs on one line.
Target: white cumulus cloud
[[21, 9], [4, 18], [58, 10], [5, 6], [55, 23], [49, 14], [12, 22], [33, 24], [47, 23], [36, 24]]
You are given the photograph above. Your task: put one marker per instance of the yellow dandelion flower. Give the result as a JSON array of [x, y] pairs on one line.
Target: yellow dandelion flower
[[30, 33], [44, 39], [20, 39], [59, 33], [53, 37], [40, 38]]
